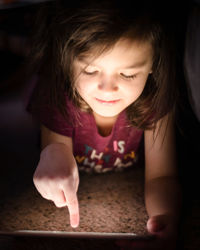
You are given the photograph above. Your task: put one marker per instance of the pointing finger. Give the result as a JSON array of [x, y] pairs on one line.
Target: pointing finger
[[73, 207]]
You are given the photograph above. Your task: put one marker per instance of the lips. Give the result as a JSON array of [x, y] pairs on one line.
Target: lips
[[109, 102]]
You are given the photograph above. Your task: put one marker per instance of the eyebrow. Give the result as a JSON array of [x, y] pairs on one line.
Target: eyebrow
[[82, 60], [135, 65]]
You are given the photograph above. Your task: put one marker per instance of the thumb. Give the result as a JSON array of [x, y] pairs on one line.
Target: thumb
[[73, 207], [155, 224]]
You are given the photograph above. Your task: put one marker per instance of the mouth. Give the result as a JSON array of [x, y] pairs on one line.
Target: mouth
[[106, 102]]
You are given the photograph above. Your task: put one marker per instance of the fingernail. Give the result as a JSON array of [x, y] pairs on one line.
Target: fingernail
[[74, 220], [74, 226]]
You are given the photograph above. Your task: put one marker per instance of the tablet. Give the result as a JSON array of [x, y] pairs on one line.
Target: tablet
[[93, 235]]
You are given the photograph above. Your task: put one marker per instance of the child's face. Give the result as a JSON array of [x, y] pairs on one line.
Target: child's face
[[114, 80]]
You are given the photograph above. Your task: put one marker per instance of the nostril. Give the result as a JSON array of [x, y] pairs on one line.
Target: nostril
[[108, 87], [115, 88]]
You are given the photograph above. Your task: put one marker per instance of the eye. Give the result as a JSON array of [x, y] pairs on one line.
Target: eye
[[90, 72], [128, 76]]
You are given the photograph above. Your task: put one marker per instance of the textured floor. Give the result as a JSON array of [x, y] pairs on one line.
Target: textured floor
[[111, 203]]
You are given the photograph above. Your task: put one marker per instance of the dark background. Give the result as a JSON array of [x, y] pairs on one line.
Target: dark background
[[19, 134]]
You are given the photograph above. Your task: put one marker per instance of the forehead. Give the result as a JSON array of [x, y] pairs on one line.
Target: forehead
[[121, 54]]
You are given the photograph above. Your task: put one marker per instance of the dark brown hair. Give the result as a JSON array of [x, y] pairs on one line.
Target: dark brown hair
[[64, 33]]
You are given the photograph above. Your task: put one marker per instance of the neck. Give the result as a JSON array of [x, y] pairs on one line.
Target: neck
[[104, 124]]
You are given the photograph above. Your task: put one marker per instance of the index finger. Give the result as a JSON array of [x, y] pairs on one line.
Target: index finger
[[73, 207]]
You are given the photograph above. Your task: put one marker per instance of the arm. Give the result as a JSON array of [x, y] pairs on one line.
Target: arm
[[49, 137], [52, 142], [56, 176], [162, 188]]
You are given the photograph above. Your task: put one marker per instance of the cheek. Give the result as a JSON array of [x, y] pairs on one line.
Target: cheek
[[85, 86], [134, 90]]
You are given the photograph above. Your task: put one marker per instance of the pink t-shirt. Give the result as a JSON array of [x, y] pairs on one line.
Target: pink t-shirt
[[93, 152]]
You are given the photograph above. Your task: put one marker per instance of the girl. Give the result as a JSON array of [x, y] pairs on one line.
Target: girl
[[106, 79]]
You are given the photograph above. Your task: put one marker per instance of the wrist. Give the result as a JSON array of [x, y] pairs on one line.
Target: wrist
[[54, 147]]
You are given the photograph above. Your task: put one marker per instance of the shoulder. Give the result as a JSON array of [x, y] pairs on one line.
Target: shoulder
[[75, 115]]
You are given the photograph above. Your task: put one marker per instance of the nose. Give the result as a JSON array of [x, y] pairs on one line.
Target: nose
[[108, 84]]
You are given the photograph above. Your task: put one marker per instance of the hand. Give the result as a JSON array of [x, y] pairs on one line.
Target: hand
[[165, 230], [56, 178]]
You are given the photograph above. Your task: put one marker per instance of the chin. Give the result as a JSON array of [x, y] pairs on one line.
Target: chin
[[107, 113]]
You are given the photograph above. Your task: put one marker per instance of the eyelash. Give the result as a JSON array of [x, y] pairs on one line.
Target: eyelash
[[128, 77], [89, 73], [124, 76]]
